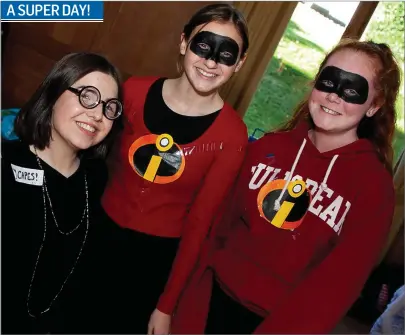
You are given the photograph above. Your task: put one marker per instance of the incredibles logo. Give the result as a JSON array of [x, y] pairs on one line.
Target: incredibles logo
[[157, 158], [293, 204]]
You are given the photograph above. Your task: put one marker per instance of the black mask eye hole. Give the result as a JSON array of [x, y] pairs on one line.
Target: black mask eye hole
[[204, 46], [226, 54], [351, 93], [327, 83]]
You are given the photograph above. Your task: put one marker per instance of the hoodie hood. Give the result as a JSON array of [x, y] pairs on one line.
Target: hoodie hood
[[358, 147], [351, 151]]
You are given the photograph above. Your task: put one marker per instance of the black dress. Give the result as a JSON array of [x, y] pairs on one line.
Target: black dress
[[77, 306]]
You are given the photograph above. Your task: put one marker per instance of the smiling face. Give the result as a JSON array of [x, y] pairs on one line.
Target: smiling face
[[212, 55], [344, 93], [79, 127]]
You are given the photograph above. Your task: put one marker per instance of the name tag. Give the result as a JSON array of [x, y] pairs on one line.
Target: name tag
[[28, 176]]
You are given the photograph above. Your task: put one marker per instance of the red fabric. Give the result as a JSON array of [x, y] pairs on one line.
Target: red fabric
[[305, 280], [185, 207]]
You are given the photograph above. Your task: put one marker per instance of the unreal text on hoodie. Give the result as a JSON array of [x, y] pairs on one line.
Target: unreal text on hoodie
[[326, 246]]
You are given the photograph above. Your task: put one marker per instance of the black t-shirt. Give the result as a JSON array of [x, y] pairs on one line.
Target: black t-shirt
[[23, 229], [159, 118]]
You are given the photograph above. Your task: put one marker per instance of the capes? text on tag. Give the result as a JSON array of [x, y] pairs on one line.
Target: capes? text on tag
[[28, 176]]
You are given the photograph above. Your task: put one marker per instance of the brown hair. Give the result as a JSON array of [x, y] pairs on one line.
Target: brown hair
[[217, 13], [33, 125], [379, 128]]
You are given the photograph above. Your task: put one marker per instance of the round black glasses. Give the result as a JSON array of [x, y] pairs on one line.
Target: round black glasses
[[90, 97]]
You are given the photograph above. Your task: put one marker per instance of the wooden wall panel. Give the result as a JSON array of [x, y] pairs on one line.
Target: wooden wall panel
[[396, 235], [267, 22], [140, 38], [143, 38], [31, 51], [360, 19]]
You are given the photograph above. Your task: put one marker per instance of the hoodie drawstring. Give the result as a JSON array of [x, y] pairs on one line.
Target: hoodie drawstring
[[323, 185], [297, 158]]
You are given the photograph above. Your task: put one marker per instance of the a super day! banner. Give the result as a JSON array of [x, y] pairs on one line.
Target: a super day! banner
[[51, 11]]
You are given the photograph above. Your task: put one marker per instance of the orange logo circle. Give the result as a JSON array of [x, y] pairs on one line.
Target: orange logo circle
[[293, 204], [157, 158]]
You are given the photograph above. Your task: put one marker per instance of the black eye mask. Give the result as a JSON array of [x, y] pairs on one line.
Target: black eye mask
[[349, 86], [220, 49]]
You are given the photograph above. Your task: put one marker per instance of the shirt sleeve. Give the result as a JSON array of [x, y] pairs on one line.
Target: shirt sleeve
[[215, 188], [321, 299], [231, 209]]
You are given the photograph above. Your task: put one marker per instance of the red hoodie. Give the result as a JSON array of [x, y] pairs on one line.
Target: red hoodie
[[185, 206], [301, 279]]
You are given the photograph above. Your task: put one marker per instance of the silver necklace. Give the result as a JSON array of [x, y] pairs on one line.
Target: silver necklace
[[85, 214]]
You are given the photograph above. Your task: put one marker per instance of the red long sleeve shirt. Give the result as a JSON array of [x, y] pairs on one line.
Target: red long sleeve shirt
[[301, 279], [178, 207]]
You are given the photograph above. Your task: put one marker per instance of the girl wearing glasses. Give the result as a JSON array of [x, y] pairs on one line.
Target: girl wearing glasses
[[52, 181], [175, 164]]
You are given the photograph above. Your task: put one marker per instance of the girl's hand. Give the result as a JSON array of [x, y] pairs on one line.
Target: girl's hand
[[159, 323]]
